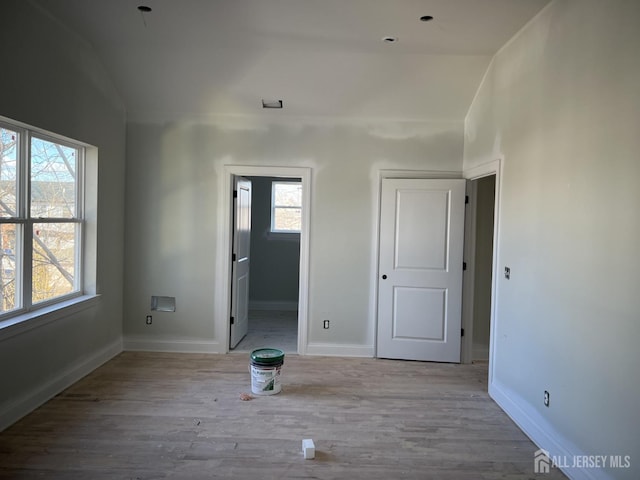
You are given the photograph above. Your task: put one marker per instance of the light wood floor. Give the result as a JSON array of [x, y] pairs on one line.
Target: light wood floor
[[179, 416], [271, 329]]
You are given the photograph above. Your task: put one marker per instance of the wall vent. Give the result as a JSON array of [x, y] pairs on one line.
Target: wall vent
[[163, 304]]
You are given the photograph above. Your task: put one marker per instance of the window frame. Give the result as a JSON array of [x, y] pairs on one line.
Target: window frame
[[25, 222], [274, 207]]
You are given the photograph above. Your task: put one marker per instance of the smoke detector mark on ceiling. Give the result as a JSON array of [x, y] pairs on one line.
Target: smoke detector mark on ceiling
[[272, 103]]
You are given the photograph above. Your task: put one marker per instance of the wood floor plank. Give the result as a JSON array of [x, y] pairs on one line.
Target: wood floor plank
[[159, 416]]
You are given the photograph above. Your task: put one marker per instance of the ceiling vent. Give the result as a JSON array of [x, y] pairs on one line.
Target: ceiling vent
[[271, 103]]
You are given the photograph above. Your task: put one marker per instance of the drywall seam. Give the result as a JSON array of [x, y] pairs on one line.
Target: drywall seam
[[500, 50]]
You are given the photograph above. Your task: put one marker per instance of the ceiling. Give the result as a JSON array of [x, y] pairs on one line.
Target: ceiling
[[191, 58]]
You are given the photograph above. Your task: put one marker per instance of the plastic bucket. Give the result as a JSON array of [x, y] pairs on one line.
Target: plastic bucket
[[265, 367]]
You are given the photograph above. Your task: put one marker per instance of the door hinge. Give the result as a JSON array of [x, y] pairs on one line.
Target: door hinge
[[466, 199], [235, 194], [462, 332], [464, 266], [233, 257], [233, 320]]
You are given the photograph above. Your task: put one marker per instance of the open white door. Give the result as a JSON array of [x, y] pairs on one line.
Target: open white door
[[240, 261], [420, 282]]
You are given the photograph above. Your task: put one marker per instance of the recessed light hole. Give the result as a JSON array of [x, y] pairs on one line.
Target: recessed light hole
[[426, 18]]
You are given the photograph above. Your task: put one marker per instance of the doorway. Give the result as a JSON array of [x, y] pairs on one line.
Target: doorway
[[223, 293], [484, 189], [274, 265], [480, 285]]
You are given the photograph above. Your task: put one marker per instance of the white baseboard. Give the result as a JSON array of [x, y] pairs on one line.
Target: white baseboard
[[333, 350], [141, 343], [542, 433], [28, 402], [270, 305]]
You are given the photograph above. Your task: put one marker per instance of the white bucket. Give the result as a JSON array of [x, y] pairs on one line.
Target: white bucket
[[265, 367]]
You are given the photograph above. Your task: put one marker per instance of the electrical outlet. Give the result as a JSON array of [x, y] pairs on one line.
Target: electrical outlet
[[149, 320], [325, 324], [546, 398]]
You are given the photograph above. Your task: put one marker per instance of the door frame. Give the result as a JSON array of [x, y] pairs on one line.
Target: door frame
[[222, 310], [493, 167]]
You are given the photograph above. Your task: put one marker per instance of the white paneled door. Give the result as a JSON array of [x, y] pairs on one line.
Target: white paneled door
[[240, 263], [420, 276]]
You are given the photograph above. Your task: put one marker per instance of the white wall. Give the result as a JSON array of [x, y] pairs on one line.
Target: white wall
[[561, 104], [174, 218], [51, 80]]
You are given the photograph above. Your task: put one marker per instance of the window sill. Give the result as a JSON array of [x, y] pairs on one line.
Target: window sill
[[42, 316]]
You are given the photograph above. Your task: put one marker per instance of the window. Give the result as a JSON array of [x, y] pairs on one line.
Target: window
[[286, 207], [41, 219]]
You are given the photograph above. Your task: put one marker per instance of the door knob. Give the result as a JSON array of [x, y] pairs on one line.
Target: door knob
[[384, 277]]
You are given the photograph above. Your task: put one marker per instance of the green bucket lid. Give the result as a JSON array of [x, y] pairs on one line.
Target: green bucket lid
[[267, 356]]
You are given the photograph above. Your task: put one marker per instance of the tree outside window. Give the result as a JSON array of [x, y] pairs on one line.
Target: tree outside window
[[40, 219], [286, 207]]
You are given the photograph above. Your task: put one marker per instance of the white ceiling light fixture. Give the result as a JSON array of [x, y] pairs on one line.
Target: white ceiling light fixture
[[272, 103]]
